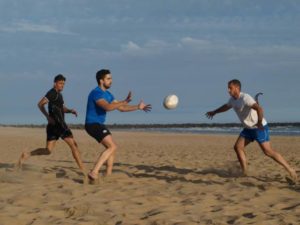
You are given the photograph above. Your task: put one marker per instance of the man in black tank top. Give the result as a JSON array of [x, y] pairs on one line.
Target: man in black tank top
[[57, 127]]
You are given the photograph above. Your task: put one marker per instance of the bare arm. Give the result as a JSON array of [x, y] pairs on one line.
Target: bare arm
[[140, 106], [110, 106], [260, 114], [41, 105], [114, 105], [221, 109], [67, 110]]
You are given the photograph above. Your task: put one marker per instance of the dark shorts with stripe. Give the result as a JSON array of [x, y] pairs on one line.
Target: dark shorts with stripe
[[54, 132], [97, 131]]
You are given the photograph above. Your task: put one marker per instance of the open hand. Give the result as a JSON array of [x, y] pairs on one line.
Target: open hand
[[210, 114], [144, 107], [129, 97], [73, 111]]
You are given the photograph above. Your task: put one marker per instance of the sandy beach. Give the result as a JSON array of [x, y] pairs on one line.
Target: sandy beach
[[158, 178]]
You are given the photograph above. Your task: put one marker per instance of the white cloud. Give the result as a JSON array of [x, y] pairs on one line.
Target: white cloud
[[25, 26], [191, 47], [188, 41], [149, 48], [131, 47]]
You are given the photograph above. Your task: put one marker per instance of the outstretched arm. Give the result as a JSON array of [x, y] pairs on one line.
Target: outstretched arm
[[114, 105], [140, 106], [221, 109]]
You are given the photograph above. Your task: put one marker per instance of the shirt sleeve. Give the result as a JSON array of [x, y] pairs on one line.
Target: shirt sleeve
[[97, 96], [229, 103], [112, 98], [249, 101], [51, 95]]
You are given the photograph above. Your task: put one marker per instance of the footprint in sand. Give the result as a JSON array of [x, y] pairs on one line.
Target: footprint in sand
[[291, 207], [61, 174], [216, 208], [232, 219], [290, 181], [249, 215], [187, 201], [150, 213], [79, 210]]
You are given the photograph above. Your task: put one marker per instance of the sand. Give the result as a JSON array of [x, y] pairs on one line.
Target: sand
[[158, 178]]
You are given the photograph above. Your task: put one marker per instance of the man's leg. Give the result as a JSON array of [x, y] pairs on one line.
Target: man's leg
[[39, 151], [269, 151], [108, 154], [110, 164], [75, 152], [239, 148]]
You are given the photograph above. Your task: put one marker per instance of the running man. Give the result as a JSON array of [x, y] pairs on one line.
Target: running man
[[101, 101], [57, 127], [255, 126]]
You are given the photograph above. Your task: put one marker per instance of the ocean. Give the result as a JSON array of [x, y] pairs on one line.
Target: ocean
[[282, 129]]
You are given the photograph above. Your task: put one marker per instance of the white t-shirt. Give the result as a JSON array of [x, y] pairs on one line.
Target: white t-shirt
[[242, 107]]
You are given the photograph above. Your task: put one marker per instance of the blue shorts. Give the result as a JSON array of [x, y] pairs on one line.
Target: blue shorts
[[256, 134]]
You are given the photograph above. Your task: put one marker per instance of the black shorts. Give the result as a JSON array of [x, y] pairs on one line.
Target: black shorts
[[55, 132], [97, 131]]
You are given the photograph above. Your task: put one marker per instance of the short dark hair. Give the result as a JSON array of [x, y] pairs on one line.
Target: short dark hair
[[235, 82], [59, 77], [100, 75]]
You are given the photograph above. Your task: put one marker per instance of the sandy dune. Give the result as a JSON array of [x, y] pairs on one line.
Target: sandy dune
[[159, 178]]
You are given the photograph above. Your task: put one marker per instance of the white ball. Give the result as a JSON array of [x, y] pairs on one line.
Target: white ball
[[171, 102]]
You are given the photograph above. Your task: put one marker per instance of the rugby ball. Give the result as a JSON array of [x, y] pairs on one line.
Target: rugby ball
[[170, 102]]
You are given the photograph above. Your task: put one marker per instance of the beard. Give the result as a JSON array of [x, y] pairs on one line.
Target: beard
[[107, 86]]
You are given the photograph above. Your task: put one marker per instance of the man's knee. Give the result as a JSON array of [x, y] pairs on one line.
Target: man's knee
[[113, 147], [237, 148], [267, 149], [75, 143], [71, 142], [268, 152]]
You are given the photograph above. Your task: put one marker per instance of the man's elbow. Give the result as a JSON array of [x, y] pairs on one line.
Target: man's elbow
[[121, 109], [39, 105], [109, 108]]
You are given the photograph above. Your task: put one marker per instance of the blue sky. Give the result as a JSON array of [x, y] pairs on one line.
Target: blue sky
[[154, 48]]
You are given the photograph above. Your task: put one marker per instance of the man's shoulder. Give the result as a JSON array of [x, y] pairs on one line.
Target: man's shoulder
[[248, 99], [52, 90], [95, 91], [245, 95], [109, 93], [52, 93]]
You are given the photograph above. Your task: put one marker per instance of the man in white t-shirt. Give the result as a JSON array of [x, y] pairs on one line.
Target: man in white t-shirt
[[255, 126]]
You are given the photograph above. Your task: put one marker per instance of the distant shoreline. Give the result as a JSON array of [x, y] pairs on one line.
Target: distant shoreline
[[145, 126]]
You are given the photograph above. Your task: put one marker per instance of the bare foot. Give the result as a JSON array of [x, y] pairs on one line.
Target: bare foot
[[245, 173], [92, 176], [25, 155], [293, 179]]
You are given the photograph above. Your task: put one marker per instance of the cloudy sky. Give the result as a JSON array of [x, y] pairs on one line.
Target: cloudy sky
[[154, 48]]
